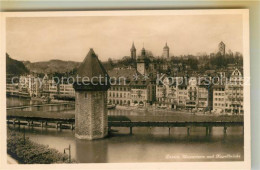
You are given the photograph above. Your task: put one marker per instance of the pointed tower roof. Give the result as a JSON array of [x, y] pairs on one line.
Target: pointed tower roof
[[89, 71], [166, 46], [91, 66], [133, 47]]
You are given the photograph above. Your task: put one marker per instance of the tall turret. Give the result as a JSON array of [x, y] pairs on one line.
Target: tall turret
[[141, 62], [166, 51], [133, 52], [92, 83], [222, 48]]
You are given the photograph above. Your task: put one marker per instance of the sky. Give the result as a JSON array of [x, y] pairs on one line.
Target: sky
[[70, 38]]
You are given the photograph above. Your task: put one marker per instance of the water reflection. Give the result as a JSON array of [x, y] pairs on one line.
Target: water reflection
[[145, 145], [91, 151]]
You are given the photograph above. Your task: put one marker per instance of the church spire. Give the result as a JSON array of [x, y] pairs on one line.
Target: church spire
[[133, 46], [133, 52]]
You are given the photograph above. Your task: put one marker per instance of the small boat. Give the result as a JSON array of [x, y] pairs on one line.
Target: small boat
[[111, 106]]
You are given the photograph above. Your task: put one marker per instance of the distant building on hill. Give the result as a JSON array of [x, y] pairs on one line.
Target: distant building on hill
[[222, 48], [166, 51]]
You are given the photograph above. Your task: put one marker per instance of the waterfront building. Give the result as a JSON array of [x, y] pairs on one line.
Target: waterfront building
[[130, 88], [45, 86], [204, 97], [228, 97], [139, 92], [53, 88], [30, 84], [182, 95], [192, 90], [119, 92], [166, 93], [234, 93], [12, 89], [66, 90], [219, 99]]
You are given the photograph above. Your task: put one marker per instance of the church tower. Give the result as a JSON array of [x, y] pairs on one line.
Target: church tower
[[133, 52], [166, 51], [222, 48], [141, 62], [91, 99]]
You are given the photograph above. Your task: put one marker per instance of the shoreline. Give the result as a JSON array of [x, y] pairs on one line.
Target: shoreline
[[156, 110]]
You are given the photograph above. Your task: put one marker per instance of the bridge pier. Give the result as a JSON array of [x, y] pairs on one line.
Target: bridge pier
[[57, 125], [208, 130], [225, 130], [131, 130], [188, 131], [14, 122]]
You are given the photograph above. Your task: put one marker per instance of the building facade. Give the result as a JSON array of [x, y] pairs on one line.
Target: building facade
[[228, 97]]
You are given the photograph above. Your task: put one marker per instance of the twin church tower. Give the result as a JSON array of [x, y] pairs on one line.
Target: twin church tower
[[166, 52], [140, 61]]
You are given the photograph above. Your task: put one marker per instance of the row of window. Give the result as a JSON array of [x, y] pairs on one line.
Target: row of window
[[116, 94], [219, 99], [119, 88]]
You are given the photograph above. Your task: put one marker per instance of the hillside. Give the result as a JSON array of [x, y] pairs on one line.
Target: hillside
[[14, 67], [51, 66]]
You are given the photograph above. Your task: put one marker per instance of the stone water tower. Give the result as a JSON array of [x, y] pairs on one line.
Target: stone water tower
[[91, 85]]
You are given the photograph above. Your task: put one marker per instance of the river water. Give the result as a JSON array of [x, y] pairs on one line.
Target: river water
[[144, 145]]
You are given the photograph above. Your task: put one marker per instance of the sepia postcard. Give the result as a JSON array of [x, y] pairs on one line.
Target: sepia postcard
[[140, 89]]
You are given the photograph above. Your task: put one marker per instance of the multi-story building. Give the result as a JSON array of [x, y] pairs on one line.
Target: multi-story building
[[204, 97], [234, 93], [219, 99], [166, 94], [66, 90], [182, 95], [192, 90], [53, 88], [119, 92], [228, 97], [30, 84]]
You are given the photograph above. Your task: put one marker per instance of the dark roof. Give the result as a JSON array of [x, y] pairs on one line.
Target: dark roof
[[91, 66], [128, 74], [91, 75]]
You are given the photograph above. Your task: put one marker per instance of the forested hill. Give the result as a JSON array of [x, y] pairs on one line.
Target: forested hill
[[51, 66], [15, 67]]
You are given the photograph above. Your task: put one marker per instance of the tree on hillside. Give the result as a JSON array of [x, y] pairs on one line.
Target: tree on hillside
[[15, 67]]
